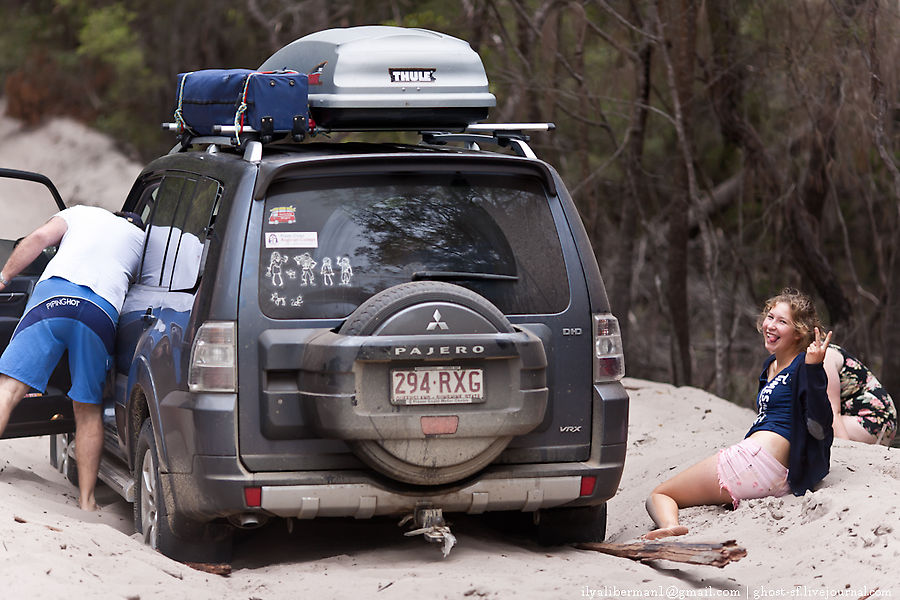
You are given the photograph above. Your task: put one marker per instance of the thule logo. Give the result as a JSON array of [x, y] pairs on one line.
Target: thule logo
[[437, 323], [570, 429], [412, 75]]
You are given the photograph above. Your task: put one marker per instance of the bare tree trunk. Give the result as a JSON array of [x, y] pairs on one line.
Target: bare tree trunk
[[527, 30], [889, 377], [478, 22], [682, 20], [804, 209], [588, 197], [813, 263], [623, 272], [711, 271]]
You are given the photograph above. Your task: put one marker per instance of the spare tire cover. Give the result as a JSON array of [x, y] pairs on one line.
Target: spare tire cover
[[432, 316]]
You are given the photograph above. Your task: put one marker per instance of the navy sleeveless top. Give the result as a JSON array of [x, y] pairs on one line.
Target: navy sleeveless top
[[774, 401]]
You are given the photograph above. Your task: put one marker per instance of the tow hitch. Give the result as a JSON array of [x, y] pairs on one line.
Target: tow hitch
[[429, 522]]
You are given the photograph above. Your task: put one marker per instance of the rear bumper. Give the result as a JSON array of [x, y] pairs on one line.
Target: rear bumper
[[214, 486], [358, 494], [363, 501]]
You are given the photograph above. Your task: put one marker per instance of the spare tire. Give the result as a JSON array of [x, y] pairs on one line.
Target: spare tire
[[440, 331]]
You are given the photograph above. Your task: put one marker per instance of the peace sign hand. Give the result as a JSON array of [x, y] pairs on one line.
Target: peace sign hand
[[815, 353]]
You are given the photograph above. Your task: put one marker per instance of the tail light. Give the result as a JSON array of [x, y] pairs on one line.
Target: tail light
[[253, 496], [213, 359], [588, 483], [609, 358]]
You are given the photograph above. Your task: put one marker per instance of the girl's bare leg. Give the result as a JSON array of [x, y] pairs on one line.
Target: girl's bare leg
[[855, 431], [697, 485]]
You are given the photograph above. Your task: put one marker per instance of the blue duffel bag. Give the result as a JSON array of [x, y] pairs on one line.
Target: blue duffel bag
[[266, 102]]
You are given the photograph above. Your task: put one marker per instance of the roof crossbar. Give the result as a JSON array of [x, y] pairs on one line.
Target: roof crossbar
[[505, 135]]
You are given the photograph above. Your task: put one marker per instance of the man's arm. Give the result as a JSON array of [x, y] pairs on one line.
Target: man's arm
[[48, 234]]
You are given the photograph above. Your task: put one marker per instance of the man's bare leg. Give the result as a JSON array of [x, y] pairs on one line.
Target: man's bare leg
[[88, 447], [11, 393]]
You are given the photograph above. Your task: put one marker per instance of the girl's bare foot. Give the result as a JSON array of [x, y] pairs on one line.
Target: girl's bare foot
[[665, 532]]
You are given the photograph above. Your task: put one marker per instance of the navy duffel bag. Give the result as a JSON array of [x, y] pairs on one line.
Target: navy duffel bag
[[267, 102]]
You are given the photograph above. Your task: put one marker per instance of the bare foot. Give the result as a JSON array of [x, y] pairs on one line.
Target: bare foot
[[663, 532], [89, 505]]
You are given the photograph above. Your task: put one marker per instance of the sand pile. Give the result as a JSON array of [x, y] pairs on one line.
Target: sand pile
[[842, 541]]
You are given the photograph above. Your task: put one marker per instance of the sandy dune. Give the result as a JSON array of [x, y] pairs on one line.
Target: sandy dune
[[83, 164], [841, 541]]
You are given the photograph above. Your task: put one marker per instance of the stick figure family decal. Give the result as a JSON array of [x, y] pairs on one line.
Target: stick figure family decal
[[279, 268]]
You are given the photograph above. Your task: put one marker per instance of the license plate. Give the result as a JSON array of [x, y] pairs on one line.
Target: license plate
[[437, 385]]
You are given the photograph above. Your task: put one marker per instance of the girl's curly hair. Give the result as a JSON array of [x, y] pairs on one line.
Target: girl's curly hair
[[803, 313]]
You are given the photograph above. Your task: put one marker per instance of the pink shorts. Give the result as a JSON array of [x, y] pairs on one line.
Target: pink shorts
[[747, 471]]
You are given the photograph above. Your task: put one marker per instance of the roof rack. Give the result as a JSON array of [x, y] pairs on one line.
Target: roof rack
[[505, 135], [225, 135]]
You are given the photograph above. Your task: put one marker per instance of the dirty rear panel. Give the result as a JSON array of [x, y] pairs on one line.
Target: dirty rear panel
[[324, 239]]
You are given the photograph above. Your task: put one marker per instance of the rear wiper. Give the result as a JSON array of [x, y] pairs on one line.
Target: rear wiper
[[461, 276]]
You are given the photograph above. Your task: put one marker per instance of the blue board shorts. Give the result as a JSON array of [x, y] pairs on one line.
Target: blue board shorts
[[63, 316]]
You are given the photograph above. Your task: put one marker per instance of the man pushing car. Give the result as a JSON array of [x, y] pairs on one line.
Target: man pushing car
[[74, 306]]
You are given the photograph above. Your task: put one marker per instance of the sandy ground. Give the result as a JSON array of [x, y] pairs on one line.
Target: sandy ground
[[841, 541], [83, 164]]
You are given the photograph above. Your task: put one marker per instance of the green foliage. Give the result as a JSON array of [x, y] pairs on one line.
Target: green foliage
[[29, 29], [107, 36], [14, 44]]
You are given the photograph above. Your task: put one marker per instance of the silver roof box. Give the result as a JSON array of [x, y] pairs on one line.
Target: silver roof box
[[380, 77]]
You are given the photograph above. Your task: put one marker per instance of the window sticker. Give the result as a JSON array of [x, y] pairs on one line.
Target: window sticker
[[283, 215], [307, 265], [274, 270], [292, 239], [327, 271], [298, 301], [278, 300], [346, 271]]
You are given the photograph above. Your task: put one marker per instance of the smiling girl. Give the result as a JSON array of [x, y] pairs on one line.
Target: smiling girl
[[787, 448]]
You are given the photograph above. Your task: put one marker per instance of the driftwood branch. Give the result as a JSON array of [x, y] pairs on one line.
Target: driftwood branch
[[715, 555], [223, 569]]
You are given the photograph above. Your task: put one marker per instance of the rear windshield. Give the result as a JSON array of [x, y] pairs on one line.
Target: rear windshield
[[330, 244]]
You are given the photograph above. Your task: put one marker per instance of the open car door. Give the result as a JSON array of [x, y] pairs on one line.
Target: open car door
[[27, 200]]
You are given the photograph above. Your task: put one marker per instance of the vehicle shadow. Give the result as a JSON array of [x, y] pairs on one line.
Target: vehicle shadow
[[309, 541]]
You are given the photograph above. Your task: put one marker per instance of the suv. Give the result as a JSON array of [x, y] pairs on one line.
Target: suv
[[348, 329]]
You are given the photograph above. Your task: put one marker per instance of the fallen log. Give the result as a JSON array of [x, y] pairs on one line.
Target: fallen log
[[715, 555], [223, 569]]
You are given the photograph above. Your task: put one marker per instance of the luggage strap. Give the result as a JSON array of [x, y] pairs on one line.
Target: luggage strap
[[179, 119]]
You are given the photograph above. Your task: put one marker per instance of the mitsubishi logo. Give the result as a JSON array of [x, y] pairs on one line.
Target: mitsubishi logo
[[437, 323]]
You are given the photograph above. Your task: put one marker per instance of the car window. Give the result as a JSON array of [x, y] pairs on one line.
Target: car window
[[199, 212], [182, 210], [329, 244]]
